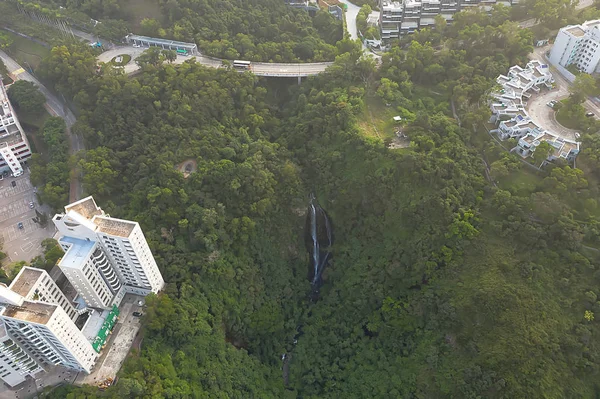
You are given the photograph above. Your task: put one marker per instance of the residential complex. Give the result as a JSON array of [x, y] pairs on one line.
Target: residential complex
[[14, 148], [105, 257], [578, 45], [406, 16], [513, 121], [67, 322]]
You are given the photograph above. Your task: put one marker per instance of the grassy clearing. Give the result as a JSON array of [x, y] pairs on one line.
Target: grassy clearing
[[26, 51], [140, 9], [522, 182], [376, 120], [565, 120]]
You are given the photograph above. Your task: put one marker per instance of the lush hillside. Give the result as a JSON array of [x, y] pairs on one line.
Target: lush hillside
[[444, 282], [256, 30]]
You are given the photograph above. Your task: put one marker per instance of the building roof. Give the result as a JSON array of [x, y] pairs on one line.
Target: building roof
[[34, 312], [86, 207], [78, 252], [116, 227], [25, 281], [576, 31], [165, 42]]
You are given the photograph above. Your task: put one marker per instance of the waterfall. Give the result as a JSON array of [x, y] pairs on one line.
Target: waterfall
[[318, 240]]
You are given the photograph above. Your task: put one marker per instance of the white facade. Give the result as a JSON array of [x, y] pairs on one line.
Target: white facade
[[114, 253], [578, 45], [15, 363], [14, 147], [79, 267], [48, 335], [399, 17], [508, 112], [37, 285]]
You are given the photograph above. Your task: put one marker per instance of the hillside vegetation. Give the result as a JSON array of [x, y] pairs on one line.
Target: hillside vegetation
[[443, 284]]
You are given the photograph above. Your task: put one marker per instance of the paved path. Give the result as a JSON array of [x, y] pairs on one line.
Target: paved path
[[562, 84], [55, 107]]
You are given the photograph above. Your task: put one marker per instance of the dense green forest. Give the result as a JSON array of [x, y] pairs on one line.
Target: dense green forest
[[256, 30], [445, 281]]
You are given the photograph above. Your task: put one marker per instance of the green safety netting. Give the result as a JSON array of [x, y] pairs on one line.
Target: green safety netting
[[106, 328]]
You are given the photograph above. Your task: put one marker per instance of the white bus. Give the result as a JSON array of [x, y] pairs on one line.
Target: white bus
[[238, 64]]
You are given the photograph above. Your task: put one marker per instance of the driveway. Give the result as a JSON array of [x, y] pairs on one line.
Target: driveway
[[351, 14]]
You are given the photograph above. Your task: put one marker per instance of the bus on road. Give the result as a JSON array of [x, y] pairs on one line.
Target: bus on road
[[238, 64]]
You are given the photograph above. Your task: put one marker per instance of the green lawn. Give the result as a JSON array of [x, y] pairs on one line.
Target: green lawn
[[521, 182], [376, 120], [126, 59], [565, 120], [26, 51]]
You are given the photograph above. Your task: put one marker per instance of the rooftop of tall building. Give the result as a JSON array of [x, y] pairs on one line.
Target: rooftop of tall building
[[85, 207], [116, 227], [25, 280], [77, 253], [35, 312], [576, 31]]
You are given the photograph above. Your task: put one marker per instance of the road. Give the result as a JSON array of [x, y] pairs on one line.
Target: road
[[258, 68], [532, 22], [55, 107], [351, 14]]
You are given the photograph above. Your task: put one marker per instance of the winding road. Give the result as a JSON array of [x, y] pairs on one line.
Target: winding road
[[56, 107], [281, 70]]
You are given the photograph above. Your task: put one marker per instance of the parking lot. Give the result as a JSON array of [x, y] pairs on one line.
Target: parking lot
[[21, 242]]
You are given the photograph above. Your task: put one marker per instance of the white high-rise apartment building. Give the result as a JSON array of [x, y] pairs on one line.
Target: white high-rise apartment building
[[400, 17], [48, 335], [105, 257], [578, 45], [14, 147], [15, 363], [37, 285], [34, 334]]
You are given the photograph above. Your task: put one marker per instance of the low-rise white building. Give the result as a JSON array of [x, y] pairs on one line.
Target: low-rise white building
[[508, 103], [14, 147], [578, 45]]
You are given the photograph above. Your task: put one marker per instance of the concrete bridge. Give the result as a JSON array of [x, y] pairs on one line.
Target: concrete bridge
[[278, 70]]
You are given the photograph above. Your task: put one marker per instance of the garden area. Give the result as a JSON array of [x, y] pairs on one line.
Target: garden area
[[121, 60]]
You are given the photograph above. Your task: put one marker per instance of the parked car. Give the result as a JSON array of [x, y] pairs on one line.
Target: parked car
[[589, 114], [20, 225], [31, 205], [14, 183], [137, 314], [552, 104]]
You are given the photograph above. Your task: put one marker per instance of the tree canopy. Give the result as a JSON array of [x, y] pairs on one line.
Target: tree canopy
[[443, 283]]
